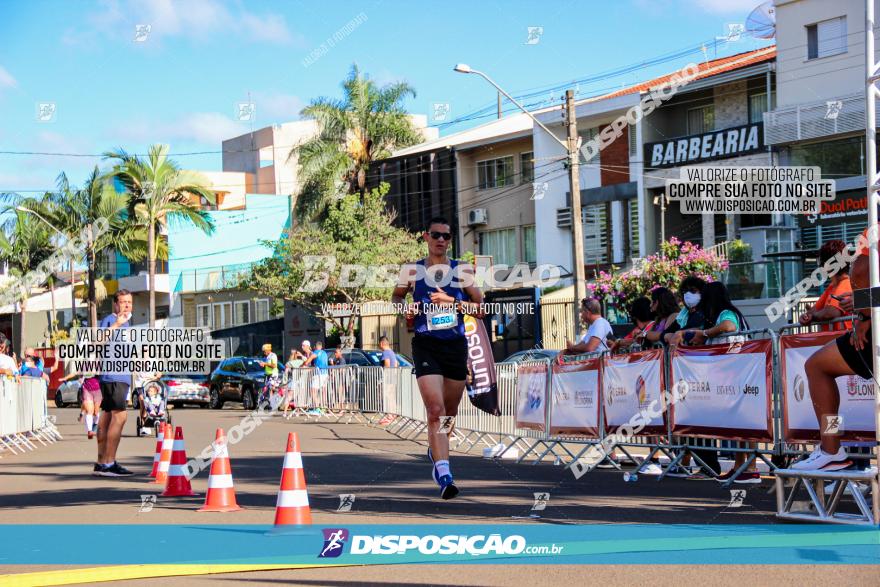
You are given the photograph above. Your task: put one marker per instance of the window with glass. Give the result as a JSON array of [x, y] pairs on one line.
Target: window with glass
[[587, 136], [501, 245], [527, 167], [495, 173], [757, 107], [261, 310], [203, 315], [826, 38], [530, 244], [222, 315], [841, 158], [701, 120], [242, 312]]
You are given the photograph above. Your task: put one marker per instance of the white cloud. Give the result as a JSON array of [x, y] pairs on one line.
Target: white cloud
[[726, 7], [6, 79], [277, 107], [202, 20], [208, 128]]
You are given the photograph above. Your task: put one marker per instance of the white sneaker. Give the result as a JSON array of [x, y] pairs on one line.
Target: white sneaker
[[819, 460], [650, 468]]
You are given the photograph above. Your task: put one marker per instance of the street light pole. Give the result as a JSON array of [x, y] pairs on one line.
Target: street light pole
[[572, 150]]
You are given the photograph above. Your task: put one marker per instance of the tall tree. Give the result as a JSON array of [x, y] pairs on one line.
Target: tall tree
[[71, 209], [366, 125], [310, 267], [24, 243], [160, 193]]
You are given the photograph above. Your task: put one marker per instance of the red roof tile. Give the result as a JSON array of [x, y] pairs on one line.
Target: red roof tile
[[706, 69]]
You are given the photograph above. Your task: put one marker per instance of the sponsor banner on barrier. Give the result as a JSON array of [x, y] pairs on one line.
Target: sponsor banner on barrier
[[531, 393], [355, 544], [629, 384], [482, 384], [576, 397], [729, 390], [799, 419]]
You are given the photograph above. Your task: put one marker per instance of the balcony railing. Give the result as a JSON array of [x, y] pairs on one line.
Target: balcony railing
[[815, 120], [212, 278]]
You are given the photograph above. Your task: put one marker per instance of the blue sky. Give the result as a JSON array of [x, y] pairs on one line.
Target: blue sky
[[201, 57]]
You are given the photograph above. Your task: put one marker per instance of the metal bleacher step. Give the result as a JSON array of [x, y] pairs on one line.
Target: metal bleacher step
[[825, 508]]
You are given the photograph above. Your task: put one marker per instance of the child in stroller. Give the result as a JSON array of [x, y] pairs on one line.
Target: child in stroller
[[154, 406]]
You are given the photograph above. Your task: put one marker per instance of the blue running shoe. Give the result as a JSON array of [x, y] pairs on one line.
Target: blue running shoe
[[433, 468], [448, 490]]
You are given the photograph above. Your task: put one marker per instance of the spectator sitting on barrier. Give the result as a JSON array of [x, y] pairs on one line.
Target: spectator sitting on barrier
[[665, 308], [690, 317], [723, 318], [599, 330], [641, 315], [836, 301], [849, 354]]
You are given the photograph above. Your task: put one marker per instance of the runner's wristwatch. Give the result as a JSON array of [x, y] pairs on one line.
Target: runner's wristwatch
[[861, 317]]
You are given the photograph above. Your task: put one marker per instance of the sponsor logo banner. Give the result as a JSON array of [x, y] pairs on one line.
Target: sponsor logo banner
[[629, 384], [575, 408], [728, 390], [856, 394], [531, 393]]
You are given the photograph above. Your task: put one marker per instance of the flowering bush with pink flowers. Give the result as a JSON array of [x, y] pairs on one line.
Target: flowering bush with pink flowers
[[675, 261]]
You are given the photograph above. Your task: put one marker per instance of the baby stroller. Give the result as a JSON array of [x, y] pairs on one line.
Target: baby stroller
[[154, 399]]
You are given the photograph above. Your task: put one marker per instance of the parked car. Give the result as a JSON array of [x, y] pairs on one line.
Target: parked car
[[186, 388], [531, 355], [368, 357], [237, 379], [69, 393]]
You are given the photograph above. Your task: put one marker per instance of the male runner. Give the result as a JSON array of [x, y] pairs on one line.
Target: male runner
[[439, 345], [114, 389]]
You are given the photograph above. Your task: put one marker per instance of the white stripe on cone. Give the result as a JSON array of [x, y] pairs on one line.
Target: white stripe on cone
[[177, 446], [293, 460], [219, 481], [163, 466], [293, 498]]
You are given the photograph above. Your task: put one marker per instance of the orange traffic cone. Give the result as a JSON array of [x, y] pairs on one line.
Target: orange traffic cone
[[293, 498], [158, 454], [178, 483], [221, 494], [165, 457]]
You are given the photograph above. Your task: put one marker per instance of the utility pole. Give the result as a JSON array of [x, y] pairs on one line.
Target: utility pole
[[577, 228]]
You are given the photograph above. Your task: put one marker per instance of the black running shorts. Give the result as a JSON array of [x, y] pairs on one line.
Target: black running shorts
[[446, 357], [113, 396], [861, 362]]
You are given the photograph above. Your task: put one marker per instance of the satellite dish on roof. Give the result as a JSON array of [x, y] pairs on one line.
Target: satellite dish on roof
[[761, 22]]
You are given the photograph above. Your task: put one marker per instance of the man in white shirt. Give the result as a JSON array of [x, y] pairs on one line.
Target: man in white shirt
[[596, 338]]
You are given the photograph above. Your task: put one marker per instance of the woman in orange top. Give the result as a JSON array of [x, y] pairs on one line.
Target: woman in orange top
[[836, 301]]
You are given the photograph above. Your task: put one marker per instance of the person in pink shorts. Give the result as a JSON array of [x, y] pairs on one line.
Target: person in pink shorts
[[91, 400]]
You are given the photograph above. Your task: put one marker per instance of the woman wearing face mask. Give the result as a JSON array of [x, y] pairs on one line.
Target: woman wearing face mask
[[690, 317]]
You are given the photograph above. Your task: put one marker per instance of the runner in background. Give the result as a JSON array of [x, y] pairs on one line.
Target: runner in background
[[441, 297], [270, 369], [836, 301]]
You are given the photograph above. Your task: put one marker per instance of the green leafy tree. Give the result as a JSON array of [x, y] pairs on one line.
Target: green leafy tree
[[160, 193], [25, 242], [366, 125], [354, 231]]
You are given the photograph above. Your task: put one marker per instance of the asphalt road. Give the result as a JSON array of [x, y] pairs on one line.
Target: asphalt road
[[390, 479]]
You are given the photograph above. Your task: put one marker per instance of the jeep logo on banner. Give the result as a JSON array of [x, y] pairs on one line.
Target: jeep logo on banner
[[719, 144]]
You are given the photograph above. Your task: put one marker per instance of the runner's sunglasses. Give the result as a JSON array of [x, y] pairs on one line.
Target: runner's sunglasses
[[438, 235]]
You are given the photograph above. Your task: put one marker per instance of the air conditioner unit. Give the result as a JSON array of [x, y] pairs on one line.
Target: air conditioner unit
[[478, 216]]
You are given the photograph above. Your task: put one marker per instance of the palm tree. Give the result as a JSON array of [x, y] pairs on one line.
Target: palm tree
[[24, 243], [365, 126], [159, 192], [70, 210]]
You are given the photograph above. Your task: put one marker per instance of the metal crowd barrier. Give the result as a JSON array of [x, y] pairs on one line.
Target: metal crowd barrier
[[390, 398], [24, 415]]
